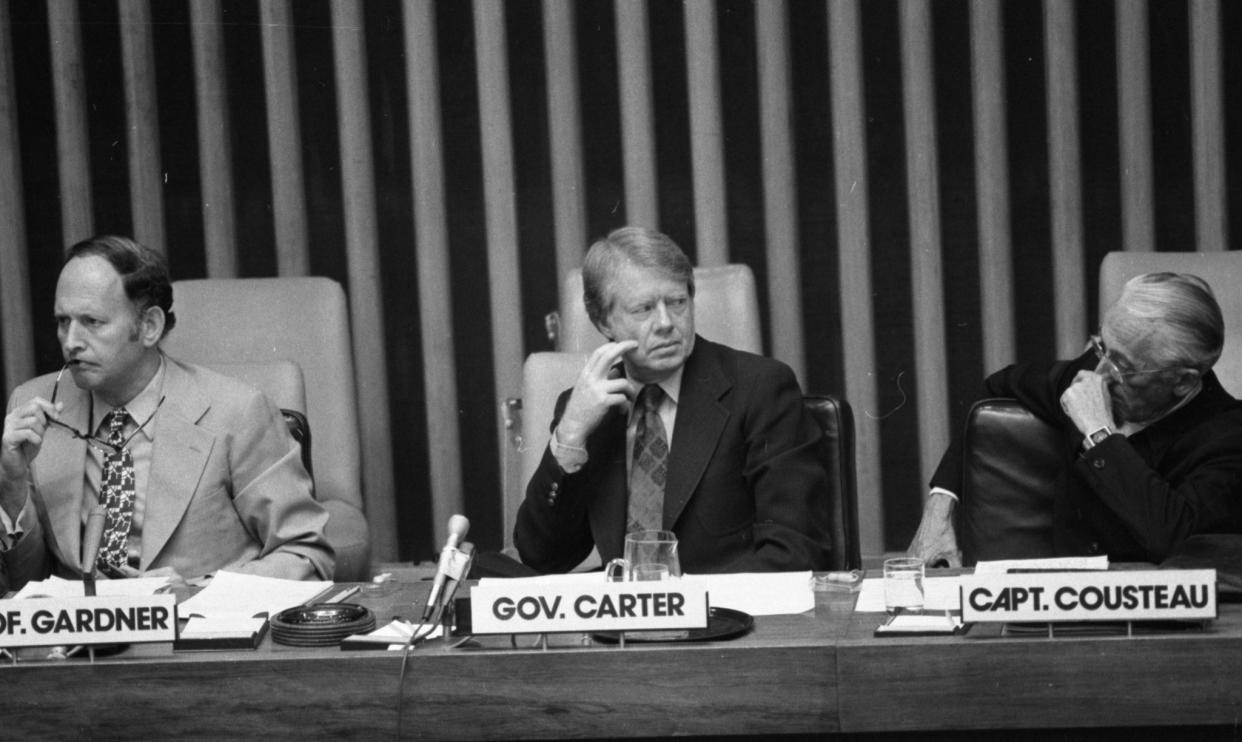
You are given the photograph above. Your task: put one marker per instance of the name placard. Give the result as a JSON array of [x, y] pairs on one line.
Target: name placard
[[88, 620], [1090, 596], [531, 607]]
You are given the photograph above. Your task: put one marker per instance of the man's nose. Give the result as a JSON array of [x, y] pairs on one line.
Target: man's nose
[[662, 316], [71, 336]]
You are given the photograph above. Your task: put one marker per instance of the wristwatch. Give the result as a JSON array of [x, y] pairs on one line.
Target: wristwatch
[[1096, 437]]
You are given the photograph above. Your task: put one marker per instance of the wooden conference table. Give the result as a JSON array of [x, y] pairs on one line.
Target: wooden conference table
[[816, 672]]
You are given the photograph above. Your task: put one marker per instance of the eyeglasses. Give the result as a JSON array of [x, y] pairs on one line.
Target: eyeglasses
[[1097, 344], [99, 444]]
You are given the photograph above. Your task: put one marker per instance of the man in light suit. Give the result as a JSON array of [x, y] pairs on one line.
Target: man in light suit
[[742, 482], [212, 478]]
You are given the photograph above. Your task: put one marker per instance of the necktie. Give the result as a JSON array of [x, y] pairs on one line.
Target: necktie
[[117, 493], [649, 467]]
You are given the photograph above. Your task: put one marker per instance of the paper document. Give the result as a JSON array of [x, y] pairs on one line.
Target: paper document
[[58, 587], [395, 634], [221, 626], [939, 594], [1051, 564], [756, 593], [237, 594]]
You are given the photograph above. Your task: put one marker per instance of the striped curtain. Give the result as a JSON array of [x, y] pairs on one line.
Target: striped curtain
[[923, 189]]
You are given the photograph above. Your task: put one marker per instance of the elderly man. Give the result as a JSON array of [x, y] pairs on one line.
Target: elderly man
[[1153, 444], [196, 471], [667, 430]]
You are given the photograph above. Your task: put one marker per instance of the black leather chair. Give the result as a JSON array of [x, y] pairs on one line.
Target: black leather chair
[[837, 421], [1011, 468]]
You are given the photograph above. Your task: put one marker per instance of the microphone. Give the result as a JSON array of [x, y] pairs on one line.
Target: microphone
[[457, 526], [90, 545]]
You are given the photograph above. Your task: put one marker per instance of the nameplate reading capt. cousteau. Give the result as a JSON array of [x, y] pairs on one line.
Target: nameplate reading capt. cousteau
[[129, 619], [534, 607], [1122, 595]]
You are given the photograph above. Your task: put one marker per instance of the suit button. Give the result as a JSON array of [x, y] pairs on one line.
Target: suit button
[[556, 486], [1098, 463]]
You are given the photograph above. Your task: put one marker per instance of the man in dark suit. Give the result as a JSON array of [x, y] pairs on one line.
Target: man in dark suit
[[666, 430], [1152, 442]]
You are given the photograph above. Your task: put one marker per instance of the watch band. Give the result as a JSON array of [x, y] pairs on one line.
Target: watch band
[[1096, 437]]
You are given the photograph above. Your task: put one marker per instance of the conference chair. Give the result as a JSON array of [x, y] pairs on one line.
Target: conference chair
[[726, 310], [1011, 467], [1222, 271], [836, 419], [281, 382], [304, 321], [529, 419]]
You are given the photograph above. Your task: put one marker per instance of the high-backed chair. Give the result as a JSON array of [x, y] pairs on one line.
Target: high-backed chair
[[726, 310], [1011, 467], [544, 377], [305, 321], [1222, 271], [836, 419]]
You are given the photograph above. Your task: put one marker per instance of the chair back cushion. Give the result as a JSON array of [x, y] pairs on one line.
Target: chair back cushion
[[726, 310], [1222, 271], [837, 421], [303, 320], [1011, 470]]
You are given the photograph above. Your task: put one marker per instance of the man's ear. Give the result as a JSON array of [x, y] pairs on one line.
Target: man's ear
[[1186, 380], [605, 330], [151, 326]]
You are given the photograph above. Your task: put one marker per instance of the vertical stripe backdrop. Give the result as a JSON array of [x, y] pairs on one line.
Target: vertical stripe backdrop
[[923, 189]]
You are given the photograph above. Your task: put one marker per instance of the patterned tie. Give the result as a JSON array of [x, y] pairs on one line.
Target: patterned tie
[[650, 465], [117, 494]]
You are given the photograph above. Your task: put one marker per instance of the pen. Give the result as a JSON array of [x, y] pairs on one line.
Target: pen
[[342, 595]]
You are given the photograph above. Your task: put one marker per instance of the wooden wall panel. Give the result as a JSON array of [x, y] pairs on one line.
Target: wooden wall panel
[[374, 144]]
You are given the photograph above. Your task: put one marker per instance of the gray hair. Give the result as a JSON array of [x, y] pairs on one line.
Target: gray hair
[[1177, 314], [636, 246]]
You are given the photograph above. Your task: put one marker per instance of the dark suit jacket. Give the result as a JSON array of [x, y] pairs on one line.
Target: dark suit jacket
[[1136, 498], [746, 489], [227, 489]]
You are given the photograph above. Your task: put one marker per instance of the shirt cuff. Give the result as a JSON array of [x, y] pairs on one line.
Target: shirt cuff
[[570, 458], [942, 491]]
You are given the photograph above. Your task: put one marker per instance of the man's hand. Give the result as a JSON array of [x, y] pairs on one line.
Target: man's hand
[[594, 393], [24, 428], [936, 541], [174, 579], [1088, 403]]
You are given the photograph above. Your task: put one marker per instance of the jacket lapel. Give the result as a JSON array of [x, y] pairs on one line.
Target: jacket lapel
[[178, 458], [59, 477], [701, 418], [609, 505]]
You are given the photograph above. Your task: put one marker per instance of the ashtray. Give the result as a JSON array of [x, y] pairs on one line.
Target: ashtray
[[320, 624]]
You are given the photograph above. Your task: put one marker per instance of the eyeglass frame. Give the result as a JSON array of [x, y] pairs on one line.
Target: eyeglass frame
[[92, 440], [1101, 352]]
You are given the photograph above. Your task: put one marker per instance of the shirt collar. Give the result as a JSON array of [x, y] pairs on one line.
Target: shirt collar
[[140, 408], [670, 385]]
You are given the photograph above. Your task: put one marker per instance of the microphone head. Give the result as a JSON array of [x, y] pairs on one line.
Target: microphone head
[[458, 525]]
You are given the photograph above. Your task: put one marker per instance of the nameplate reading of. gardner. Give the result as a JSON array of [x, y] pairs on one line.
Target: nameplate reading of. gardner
[[94, 620]]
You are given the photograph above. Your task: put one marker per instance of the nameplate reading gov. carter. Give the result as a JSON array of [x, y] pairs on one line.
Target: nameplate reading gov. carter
[[503, 607], [1123, 595]]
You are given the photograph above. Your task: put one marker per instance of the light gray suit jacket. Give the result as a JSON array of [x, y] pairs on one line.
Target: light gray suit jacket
[[226, 490]]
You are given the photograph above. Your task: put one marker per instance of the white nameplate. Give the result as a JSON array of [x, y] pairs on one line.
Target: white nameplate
[[94, 620], [1122, 595], [529, 607]]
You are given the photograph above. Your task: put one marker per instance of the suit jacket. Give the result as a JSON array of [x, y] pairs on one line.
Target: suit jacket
[[745, 489], [226, 489], [1135, 498]]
